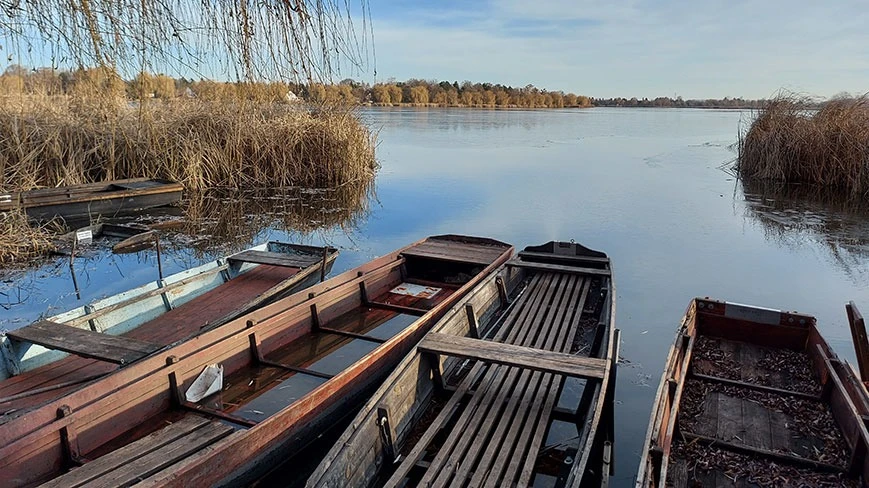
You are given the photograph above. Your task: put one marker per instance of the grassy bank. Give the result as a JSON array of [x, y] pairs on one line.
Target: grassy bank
[[63, 140], [828, 147]]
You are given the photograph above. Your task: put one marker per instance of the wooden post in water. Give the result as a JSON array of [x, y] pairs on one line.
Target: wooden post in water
[[159, 259]]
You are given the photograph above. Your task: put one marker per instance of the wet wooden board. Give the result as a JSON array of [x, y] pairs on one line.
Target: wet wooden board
[[274, 259], [84, 343], [503, 422], [745, 422], [455, 251], [558, 268], [145, 456], [513, 355]]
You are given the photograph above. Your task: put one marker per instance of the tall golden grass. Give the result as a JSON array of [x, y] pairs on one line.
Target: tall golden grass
[[60, 140], [19, 242], [829, 147]]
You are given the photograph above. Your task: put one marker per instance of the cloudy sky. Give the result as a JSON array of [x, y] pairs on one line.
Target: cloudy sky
[[645, 48]]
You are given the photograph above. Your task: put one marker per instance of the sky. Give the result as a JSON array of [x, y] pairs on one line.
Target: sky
[[692, 49]]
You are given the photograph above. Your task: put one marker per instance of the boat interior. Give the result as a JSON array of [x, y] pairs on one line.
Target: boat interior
[[468, 409], [755, 394], [274, 361]]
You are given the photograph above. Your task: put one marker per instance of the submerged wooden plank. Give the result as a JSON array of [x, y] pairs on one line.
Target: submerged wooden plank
[[512, 355], [274, 258], [84, 343]]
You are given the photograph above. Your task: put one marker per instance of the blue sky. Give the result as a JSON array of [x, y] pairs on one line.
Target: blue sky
[[636, 48]]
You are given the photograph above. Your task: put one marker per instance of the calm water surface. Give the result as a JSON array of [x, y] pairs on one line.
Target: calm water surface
[[645, 186]]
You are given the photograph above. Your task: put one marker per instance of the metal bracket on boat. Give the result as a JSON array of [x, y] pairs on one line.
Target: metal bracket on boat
[[473, 324], [69, 438], [502, 292], [315, 317], [386, 434], [363, 293]]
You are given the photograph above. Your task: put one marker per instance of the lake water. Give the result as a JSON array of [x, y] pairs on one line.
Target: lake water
[[643, 185]]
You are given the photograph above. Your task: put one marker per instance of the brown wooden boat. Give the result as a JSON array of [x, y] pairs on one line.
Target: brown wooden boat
[[93, 199], [290, 370], [755, 397], [35, 368], [475, 402]]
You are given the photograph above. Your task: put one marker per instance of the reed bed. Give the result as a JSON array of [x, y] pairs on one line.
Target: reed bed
[[790, 142], [63, 140], [19, 242]]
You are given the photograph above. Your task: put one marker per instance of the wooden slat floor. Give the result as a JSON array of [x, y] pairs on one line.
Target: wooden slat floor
[[490, 430], [756, 422], [172, 326], [147, 456]]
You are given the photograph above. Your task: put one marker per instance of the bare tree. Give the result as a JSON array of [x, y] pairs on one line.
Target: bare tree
[[250, 39]]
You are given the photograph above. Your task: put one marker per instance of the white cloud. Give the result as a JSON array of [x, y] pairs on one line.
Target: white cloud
[[641, 48]]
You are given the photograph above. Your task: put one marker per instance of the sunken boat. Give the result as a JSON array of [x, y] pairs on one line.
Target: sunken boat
[[513, 387], [115, 331], [223, 406], [93, 199], [753, 396]]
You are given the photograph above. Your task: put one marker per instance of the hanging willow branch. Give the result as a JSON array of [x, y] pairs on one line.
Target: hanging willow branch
[[249, 39]]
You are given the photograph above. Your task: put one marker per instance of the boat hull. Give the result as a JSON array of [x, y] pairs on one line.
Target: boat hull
[[91, 200]]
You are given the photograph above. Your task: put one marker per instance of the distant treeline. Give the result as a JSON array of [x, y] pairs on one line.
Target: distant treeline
[[667, 102], [19, 80]]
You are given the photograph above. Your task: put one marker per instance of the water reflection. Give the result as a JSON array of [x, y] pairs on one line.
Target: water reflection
[[792, 215], [227, 220], [206, 226]]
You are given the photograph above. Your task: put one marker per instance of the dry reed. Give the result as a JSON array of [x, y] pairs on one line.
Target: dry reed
[[829, 147], [50, 141], [19, 242]]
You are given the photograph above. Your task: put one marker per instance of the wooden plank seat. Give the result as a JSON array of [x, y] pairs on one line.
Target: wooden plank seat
[[274, 259], [146, 456], [562, 258], [558, 268], [454, 251], [84, 343], [513, 355], [495, 422]]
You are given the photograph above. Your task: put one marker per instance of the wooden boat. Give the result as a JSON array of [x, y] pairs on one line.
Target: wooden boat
[[92, 199], [754, 397], [35, 368], [475, 402], [290, 369]]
